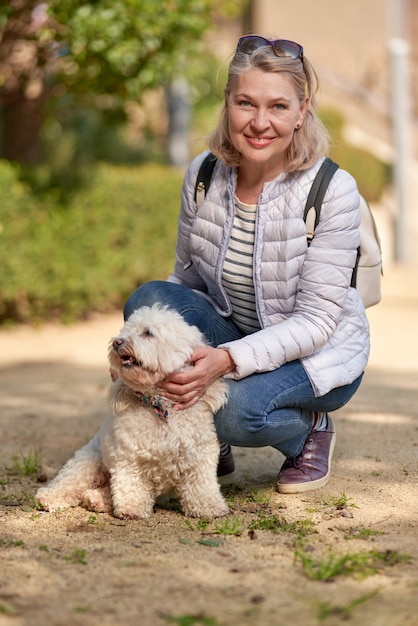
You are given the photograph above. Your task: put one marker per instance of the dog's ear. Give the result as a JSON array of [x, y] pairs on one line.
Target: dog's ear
[[178, 341]]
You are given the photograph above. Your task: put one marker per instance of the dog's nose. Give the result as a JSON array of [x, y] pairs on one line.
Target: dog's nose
[[117, 343]]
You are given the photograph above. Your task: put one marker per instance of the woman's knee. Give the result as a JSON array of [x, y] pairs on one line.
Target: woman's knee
[[235, 429], [146, 295]]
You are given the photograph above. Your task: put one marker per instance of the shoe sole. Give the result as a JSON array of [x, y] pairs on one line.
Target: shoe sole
[[313, 484]]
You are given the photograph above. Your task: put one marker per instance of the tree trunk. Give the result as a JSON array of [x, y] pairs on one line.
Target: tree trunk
[[22, 121]]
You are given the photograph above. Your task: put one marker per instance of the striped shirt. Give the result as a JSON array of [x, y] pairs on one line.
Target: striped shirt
[[237, 276]]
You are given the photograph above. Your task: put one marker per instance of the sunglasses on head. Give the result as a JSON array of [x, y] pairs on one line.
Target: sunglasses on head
[[280, 47]]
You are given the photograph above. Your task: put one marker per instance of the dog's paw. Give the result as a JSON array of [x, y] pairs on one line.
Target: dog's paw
[[98, 500], [132, 513], [222, 511], [48, 501], [205, 511]]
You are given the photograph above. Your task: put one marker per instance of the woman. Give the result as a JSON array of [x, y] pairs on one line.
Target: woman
[[285, 328]]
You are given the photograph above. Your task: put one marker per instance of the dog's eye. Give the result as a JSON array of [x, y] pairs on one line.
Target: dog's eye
[[148, 333]]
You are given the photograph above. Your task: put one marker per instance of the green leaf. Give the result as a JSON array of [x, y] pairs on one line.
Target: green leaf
[[211, 543]]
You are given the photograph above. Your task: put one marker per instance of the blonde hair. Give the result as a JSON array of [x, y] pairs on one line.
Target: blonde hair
[[309, 142]]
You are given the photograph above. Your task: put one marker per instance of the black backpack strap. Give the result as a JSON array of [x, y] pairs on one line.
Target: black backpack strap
[[313, 203], [316, 196], [204, 177]]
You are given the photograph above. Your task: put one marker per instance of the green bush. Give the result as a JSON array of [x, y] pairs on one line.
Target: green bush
[[371, 174], [66, 260], [69, 247]]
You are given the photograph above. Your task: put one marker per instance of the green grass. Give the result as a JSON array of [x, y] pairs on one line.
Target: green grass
[[362, 533], [199, 524], [28, 464], [339, 502], [229, 526], [78, 557], [7, 609], [8, 543], [275, 524], [344, 611], [359, 564]]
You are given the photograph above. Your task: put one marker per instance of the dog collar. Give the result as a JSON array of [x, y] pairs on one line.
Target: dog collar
[[158, 404]]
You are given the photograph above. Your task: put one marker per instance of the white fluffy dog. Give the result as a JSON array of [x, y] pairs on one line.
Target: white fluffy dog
[[146, 448]]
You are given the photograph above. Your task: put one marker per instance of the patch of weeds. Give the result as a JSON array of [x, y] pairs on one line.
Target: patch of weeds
[[276, 524], [340, 502], [229, 526], [362, 533], [392, 557], [262, 497], [55, 552], [199, 524], [78, 557], [37, 505], [28, 503], [233, 490], [7, 609], [192, 620], [8, 543], [255, 500], [327, 610], [231, 494], [202, 526], [359, 565], [29, 464], [92, 519], [4, 482], [81, 609], [5, 497], [312, 509]]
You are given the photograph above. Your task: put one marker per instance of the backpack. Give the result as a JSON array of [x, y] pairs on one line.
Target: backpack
[[367, 271]]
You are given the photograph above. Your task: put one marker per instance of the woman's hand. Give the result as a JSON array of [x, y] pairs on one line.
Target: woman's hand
[[208, 364]]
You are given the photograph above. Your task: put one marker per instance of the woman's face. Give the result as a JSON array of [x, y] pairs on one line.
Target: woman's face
[[263, 113]]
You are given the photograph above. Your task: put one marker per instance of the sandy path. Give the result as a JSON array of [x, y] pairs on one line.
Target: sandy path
[[75, 568]]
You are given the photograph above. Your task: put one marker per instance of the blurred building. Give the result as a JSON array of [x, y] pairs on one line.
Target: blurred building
[[348, 44]]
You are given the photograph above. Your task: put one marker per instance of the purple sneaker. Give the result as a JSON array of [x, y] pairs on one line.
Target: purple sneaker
[[311, 469]]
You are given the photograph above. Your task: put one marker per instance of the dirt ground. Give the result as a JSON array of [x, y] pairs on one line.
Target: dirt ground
[[75, 567]]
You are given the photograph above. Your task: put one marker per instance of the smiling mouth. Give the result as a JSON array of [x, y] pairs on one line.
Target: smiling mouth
[[259, 141], [129, 361]]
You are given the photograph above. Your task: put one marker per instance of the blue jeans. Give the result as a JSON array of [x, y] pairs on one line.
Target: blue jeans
[[266, 409]]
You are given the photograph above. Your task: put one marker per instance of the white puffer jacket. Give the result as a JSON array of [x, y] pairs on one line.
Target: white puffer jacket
[[306, 307]]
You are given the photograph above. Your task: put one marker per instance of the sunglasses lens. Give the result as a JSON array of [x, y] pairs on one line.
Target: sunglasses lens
[[281, 47], [287, 49], [249, 44]]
